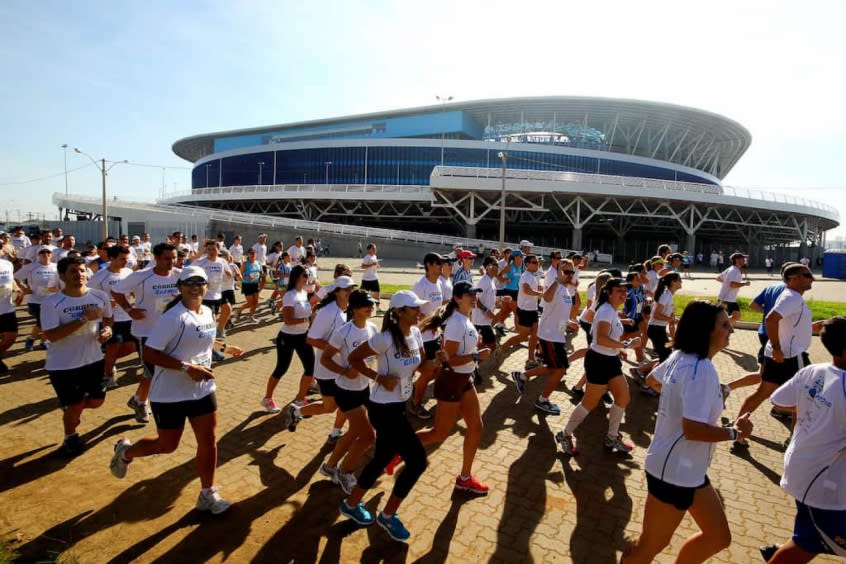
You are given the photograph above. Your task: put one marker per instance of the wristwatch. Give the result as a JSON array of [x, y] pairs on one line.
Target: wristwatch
[[732, 433]]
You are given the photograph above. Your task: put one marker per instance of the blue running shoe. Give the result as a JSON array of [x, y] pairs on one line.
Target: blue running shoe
[[29, 344], [359, 513], [519, 380], [396, 530], [217, 356]]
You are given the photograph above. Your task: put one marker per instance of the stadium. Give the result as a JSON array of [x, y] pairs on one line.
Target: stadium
[[614, 175]]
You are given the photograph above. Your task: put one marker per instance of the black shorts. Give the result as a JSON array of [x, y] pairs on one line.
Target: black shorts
[[601, 368], [487, 334], [635, 327], [78, 384], [228, 296], [451, 385], [509, 292], [327, 387], [813, 525], [658, 335], [172, 415], [431, 348], [730, 307], [554, 355], [8, 323], [122, 333], [370, 285], [526, 318], [762, 338], [678, 496], [780, 372], [214, 305], [249, 289], [348, 400], [35, 311]]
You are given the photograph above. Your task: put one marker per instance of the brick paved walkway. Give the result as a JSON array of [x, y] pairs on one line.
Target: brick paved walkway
[[543, 507]]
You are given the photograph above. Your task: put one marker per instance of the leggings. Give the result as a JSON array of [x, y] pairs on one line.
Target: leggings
[[394, 435], [286, 344], [658, 335]]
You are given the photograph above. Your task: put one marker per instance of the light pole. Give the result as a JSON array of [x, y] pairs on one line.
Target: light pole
[[504, 156], [261, 166], [443, 102], [103, 171], [65, 147], [328, 164]]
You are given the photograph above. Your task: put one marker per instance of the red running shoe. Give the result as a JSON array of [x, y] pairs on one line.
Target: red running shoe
[[389, 469]]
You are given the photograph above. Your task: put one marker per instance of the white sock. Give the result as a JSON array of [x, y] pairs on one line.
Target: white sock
[[335, 431], [576, 419], [615, 416]]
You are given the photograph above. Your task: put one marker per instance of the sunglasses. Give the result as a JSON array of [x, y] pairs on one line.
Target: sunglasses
[[804, 274], [194, 283], [568, 272], [531, 262]]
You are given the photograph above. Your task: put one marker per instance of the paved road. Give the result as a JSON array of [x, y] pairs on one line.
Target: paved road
[[543, 507]]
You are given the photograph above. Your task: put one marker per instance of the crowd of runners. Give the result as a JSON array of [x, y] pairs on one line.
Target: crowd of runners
[[171, 303]]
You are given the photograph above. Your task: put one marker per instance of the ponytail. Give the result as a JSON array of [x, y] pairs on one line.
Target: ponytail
[[390, 324], [439, 318]]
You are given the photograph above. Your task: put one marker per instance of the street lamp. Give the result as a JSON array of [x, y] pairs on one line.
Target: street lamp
[[327, 163], [504, 156], [103, 171], [261, 166], [443, 102], [65, 147]]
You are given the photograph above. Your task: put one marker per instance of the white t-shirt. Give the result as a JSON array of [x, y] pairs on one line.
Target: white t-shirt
[[311, 283], [228, 282], [215, 271], [447, 284], [188, 337], [389, 361], [152, 294], [524, 300], [591, 299], [104, 280], [550, 275], [81, 347], [326, 321], [459, 329], [433, 293], [606, 312], [727, 293], [346, 339], [21, 242], [553, 323], [273, 258], [652, 282], [368, 272], [237, 252], [690, 389], [818, 392], [500, 264], [261, 253], [296, 253], [487, 298], [794, 327], [302, 310], [667, 307], [41, 279], [7, 280]]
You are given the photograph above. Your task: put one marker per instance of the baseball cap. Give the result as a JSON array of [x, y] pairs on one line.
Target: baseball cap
[[361, 298], [342, 282], [406, 298], [464, 287], [433, 258], [657, 260], [517, 253], [616, 283], [526, 243], [735, 256], [136, 238], [192, 272], [44, 249], [466, 254]]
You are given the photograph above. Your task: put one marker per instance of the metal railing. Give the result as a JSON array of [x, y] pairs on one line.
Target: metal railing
[[270, 189]]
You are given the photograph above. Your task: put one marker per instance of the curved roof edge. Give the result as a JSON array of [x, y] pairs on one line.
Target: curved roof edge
[[660, 114]]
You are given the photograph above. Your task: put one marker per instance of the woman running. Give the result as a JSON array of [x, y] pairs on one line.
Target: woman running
[[454, 388], [399, 350], [352, 390], [662, 316], [251, 284], [296, 313], [686, 429], [585, 320], [180, 347], [603, 370]]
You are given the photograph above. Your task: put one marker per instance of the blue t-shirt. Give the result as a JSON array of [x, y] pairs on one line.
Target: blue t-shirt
[[634, 303], [767, 299], [513, 277]]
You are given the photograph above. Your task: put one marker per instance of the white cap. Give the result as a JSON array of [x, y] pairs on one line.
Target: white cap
[[406, 298], [192, 272], [526, 243], [342, 282]]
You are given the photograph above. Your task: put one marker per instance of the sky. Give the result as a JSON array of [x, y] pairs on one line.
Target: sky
[[124, 80]]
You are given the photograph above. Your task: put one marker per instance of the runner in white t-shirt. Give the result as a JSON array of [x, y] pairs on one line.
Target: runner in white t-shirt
[[399, 351], [353, 390], [815, 461], [732, 281], [237, 251], [180, 347], [432, 289], [152, 289], [529, 290], [38, 279], [260, 248], [687, 426], [76, 321], [217, 270], [484, 314], [370, 273], [297, 251], [8, 320]]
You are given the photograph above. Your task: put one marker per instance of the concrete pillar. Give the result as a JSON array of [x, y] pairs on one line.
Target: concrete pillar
[[470, 230], [690, 244], [576, 241]]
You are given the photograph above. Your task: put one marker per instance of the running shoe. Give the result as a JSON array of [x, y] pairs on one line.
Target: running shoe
[[4, 369], [217, 356], [334, 435], [500, 330], [392, 465], [29, 344], [616, 443], [140, 408], [578, 393], [359, 514], [636, 374], [110, 380], [119, 465], [547, 406], [44, 345], [220, 334], [396, 530], [331, 473], [472, 485], [210, 500], [347, 481], [568, 445], [519, 381], [419, 411], [768, 550], [72, 446], [270, 406], [301, 403], [607, 400], [291, 417]]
